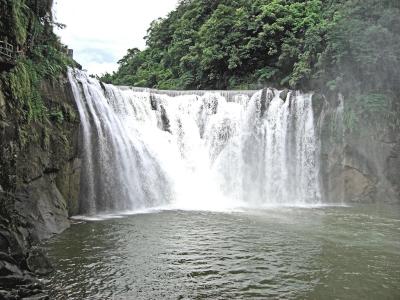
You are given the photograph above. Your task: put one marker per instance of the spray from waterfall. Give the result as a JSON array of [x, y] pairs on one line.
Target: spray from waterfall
[[206, 150]]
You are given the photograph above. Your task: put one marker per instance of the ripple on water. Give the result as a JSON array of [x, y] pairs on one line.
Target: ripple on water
[[290, 253]]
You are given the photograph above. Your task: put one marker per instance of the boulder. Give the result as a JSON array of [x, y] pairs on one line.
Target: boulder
[[166, 126], [283, 95], [13, 281], [7, 258], [39, 296], [8, 295], [38, 263], [266, 97], [46, 211], [7, 269]]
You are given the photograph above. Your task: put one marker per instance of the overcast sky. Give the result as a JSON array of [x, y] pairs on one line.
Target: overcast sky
[[100, 31]]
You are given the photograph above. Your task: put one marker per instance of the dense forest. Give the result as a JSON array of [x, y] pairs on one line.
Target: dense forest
[[223, 44], [348, 46]]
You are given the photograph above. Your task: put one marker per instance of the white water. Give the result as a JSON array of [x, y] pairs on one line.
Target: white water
[[194, 150]]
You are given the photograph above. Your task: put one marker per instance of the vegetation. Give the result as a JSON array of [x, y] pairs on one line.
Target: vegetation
[[28, 25], [347, 46]]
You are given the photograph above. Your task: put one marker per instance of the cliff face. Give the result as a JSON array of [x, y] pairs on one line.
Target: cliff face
[[360, 165], [39, 183]]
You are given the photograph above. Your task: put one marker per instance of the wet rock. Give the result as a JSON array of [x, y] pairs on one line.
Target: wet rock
[[7, 269], [263, 102], [13, 281], [266, 97], [283, 95], [47, 211], [32, 292], [7, 258], [12, 245], [358, 165], [393, 167], [153, 102], [39, 165], [38, 263], [103, 87], [8, 295], [68, 183], [318, 102], [165, 121], [39, 296], [357, 186], [4, 244]]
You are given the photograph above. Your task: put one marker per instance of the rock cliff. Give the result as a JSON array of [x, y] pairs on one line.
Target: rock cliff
[[360, 164], [39, 184]]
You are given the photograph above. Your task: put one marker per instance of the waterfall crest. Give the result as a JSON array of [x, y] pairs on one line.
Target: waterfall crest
[[144, 148]]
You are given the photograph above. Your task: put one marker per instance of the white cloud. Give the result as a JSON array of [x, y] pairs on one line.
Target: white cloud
[[100, 31]]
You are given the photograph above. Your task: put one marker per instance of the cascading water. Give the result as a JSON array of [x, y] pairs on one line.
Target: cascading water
[[194, 150]]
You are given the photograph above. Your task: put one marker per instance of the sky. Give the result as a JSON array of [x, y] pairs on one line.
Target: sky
[[101, 31]]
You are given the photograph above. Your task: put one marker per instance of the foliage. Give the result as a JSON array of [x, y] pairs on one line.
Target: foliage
[[50, 61], [332, 46], [57, 115], [23, 82], [42, 57], [370, 111], [297, 44]]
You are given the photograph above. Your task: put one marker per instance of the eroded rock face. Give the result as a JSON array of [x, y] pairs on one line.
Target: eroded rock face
[[357, 186], [46, 169], [39, 179], [44, 208], [68, 184], [392, 169], [360, 166]]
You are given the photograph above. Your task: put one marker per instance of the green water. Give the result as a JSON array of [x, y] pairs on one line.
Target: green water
[[277, 253]]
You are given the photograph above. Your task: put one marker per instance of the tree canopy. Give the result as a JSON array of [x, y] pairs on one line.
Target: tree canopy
[[313, 44]]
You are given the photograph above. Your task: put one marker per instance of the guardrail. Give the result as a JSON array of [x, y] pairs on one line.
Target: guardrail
[[6, 50]]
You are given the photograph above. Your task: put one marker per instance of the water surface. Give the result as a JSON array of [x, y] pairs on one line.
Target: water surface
[[276, 253]]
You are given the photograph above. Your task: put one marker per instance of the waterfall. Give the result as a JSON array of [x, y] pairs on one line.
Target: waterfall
[[145, 148]]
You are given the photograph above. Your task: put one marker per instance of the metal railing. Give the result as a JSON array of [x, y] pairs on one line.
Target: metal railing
[[6, 50]]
